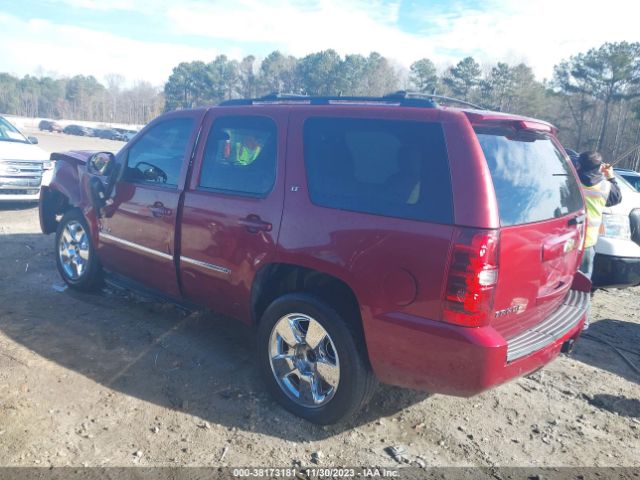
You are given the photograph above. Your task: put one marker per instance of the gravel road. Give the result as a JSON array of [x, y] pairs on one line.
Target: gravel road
[[111, 379]]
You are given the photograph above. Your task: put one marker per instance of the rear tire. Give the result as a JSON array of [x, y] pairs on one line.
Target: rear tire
[[76, 257], [310, 360]]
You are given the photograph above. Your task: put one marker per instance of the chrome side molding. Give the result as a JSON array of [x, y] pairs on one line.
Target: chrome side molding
[[135, 246], [205, 265]]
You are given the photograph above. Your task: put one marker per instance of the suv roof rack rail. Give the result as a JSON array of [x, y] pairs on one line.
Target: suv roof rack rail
[[401, 97], [436, 98], [275, 98]]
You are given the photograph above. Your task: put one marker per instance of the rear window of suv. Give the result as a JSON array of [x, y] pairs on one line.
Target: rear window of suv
[[532, 179], [382, 167]]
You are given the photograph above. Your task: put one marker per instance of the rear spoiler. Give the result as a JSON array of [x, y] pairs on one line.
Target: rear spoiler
[[518, 123]]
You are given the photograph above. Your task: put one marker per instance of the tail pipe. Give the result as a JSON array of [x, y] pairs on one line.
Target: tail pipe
[[567, 347]]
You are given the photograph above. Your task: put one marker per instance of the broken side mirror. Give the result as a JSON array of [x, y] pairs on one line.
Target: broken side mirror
[[102, 167], [101, 164]]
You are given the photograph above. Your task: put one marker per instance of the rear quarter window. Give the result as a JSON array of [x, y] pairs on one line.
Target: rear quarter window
[[381, 167], [531, 177]]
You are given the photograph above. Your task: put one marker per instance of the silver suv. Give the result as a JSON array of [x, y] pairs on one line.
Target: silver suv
[[22, 165]]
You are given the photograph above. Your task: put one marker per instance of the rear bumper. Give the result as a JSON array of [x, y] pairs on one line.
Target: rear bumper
[[441, 358], [616, 272]]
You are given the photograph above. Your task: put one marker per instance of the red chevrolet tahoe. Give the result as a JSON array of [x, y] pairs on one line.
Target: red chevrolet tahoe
[[392, 239]]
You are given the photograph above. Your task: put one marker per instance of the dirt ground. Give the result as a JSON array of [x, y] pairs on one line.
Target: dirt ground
[[113, 380]]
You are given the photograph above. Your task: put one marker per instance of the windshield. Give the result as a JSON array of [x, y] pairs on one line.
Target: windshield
[[626, 185], [9, 133], [631, 182]]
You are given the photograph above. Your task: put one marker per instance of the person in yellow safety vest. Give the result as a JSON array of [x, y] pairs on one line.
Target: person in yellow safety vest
[[600, 190], [248, 151]]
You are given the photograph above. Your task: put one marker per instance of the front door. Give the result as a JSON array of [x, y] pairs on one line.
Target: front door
[[137, 234], [232, 210]]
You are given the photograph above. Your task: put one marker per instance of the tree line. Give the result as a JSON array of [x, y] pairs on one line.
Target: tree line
[[593, 97], [80, 98]]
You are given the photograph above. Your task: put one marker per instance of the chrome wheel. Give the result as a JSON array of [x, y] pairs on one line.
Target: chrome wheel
[[304, 360], [73, 250]]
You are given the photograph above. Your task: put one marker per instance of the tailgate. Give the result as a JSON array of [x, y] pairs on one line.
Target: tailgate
[[542, 224], [537, 266]]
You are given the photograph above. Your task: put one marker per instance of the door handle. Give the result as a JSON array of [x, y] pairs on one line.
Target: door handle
[[577, 220], [254, 224], [159, 210]]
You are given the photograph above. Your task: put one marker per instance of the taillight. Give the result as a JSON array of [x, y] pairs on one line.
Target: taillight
[[473, 275]]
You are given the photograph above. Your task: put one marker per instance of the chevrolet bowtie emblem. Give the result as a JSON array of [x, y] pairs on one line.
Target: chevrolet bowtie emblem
[[569, 244]]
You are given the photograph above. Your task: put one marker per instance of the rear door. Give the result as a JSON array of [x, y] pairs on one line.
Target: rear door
[[137, 234], [542, 224], [232, 211]]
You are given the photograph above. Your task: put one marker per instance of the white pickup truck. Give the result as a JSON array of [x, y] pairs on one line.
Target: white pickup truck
[[617, 261], [22, 165]]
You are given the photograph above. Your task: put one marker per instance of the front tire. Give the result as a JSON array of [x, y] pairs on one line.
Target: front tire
[[310, 361], [76, 257]]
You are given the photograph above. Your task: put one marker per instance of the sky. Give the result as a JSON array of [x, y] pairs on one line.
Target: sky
[[143, 40]]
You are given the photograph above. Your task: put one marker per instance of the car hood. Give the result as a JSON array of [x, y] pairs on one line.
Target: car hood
[[21, 151], [630, 200], [79, 156]]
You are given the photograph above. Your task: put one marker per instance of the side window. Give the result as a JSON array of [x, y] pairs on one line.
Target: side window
[[158, 156], [384, 167], [240, 156]]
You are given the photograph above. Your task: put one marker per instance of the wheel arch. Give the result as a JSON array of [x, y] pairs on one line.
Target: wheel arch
[[52, 205], [63, 192], [276, 279]]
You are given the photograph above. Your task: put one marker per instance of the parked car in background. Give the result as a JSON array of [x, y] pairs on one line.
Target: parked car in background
[[109, 134], [631, 176], [78, 130], [127, 134], [22, 165], [50, 126], [617, 260], [367, 239]]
